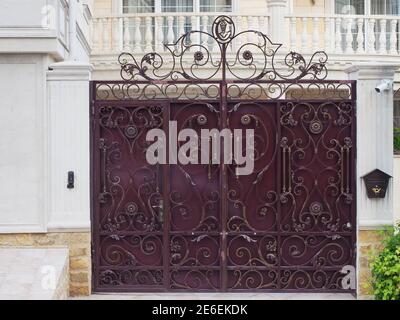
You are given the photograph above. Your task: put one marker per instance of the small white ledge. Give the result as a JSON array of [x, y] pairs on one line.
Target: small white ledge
[[33, 273]]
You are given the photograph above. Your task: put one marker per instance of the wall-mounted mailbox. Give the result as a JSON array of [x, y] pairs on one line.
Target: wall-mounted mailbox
[[376, 183]]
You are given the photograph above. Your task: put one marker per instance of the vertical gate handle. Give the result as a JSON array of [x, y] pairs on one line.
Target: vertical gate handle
[[160, 207], [209, 159], [345, 166], [286, 166]]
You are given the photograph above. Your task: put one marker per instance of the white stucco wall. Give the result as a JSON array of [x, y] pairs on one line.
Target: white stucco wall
[[374, 140], [39, 131], [23, 195], [68, 101]]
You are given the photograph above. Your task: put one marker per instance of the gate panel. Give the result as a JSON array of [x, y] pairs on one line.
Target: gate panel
[[317, 224], [194, 195], [128, 235], [289, 225], [253, 202]]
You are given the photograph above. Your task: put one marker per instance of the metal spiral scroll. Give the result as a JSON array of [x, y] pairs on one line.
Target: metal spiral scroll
[[186, 60]]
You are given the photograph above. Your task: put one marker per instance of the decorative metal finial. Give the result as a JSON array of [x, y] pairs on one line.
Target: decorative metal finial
[[223, 29]]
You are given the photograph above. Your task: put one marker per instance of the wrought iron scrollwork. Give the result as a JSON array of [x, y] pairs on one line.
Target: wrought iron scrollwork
[[195, 61], [287, 225]]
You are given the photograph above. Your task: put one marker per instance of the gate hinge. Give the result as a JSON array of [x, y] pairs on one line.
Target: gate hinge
[[92, 250]]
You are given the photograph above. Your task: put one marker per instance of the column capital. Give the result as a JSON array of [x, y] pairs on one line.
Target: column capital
[[372, 71], [277, 3], [69, 71]]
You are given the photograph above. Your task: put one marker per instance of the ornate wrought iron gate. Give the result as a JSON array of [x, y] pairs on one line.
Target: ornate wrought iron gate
[[288, 225]]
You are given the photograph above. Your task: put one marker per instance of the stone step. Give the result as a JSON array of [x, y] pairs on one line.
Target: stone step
[[33, 273]]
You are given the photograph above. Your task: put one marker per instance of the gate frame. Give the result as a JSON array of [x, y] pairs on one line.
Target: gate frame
[[145, 73]]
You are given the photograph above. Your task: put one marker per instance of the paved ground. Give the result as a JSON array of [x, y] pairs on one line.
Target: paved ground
[[220, 296], [31, 273]]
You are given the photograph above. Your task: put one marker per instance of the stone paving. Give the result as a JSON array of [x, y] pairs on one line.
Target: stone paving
[[33, 274], [221, 296]]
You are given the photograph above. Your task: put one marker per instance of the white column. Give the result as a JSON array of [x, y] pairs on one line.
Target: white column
[[338, 36], [371, 36], [106, 35], [374, 139], [72, 30], [159, 36], [293, 33], [194, 37], [277, 9], [170, 34], [250, 26], [328, 34], [204, 37], [360, 36], [68, 134], [393, 36], [262, 25], [149, 34], [349, 36], [304, 34], [315, 34], [138, 35], [97, 35], [116, 33], [127, 35], [382, 37]]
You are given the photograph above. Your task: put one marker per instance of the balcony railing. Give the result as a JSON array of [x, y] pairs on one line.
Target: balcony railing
[[148, 32], [336, 34], [345, 34]]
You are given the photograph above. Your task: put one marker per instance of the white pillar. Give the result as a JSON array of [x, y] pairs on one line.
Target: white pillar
[[68, 134], [374, 140], [72, 30], [277, 10]]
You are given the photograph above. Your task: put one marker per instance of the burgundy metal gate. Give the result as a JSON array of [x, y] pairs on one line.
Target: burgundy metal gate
[[290, 225]]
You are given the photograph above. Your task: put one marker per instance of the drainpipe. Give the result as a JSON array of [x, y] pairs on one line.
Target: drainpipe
[[72, 30]]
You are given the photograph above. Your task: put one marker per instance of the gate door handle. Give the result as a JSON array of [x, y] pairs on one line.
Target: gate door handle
[[160, 208], [286, 166]]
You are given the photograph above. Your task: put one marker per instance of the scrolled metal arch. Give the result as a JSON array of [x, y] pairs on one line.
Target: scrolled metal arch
[[150, 66]]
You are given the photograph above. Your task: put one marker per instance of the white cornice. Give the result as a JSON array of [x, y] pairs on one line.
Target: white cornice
[[69, 71]]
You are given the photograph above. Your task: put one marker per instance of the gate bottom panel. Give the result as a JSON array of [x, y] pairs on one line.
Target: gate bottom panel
[[312, 280], [129, 262], [195, 279], [129, 279], [248, 279]]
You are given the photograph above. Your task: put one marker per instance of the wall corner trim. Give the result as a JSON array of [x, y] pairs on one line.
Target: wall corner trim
[[69, 71]]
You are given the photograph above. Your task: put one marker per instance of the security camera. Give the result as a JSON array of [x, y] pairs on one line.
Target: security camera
[[385, 85]]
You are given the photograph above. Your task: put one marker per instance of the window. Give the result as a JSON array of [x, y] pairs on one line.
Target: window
[[375, 7], [350, 7], [177, 6], [368, 7], [385, 7], [145, 6], [165, 6], [138, 6], [215, 5]]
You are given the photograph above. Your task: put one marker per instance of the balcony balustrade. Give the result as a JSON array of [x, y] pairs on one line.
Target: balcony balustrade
[[149, 32], [336, 34]]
